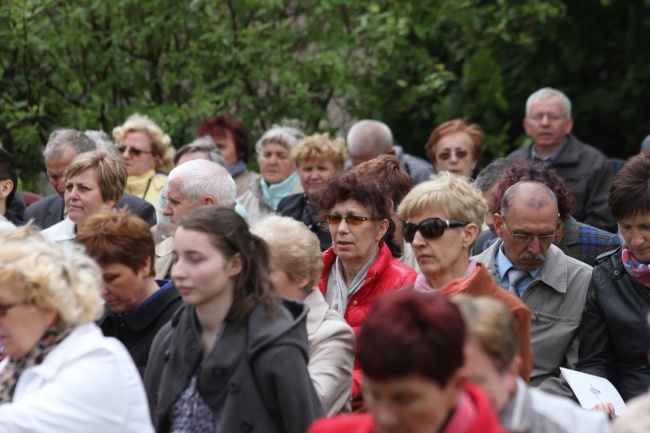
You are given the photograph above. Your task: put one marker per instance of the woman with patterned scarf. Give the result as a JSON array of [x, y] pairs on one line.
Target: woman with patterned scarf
[[614, 340], [60, 373]]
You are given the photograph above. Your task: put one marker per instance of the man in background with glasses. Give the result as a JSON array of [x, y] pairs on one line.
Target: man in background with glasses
[[553, 285], [61, 148], [585, 169]]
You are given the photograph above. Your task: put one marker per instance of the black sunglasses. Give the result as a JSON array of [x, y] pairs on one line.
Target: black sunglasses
[[132, 151], [429, 228]]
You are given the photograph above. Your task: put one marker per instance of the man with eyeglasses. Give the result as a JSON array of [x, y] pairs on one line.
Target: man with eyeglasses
[[585, 169], [553, 285], [62, 146]]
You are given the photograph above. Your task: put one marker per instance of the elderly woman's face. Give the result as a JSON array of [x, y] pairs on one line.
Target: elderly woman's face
[[314, 176], [83, 196], [411, 404], [276, 164], [21, 324], [636, 233], [355, 244], [443, 258], [124, 288], [136, 153], [454, 154]]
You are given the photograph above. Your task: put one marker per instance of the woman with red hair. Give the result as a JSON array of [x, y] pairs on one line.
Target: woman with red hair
[[411, 350], [231, 138]]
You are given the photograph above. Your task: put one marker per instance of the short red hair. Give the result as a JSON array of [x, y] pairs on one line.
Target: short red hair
[[411, 333], [451, 127], [220, 126]]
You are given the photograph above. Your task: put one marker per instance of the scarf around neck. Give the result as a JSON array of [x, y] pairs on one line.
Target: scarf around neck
[[16, 367], [272, 194], [337, 293], [139, 185], [638, 271], [237, 167]]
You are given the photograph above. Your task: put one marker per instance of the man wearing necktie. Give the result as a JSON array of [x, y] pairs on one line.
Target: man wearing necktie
[[553, 286]]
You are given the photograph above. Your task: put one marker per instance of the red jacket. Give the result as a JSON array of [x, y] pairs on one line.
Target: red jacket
[[485, 420], [385, 275]]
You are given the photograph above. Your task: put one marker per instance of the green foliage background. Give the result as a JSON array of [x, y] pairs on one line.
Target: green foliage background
[[88, 64]]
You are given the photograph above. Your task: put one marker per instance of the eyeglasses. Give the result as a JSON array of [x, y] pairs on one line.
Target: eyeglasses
[[526, 239], [552, 117], [133, 152], [6, 307], [460, 154], [351, 220], [429, 228]]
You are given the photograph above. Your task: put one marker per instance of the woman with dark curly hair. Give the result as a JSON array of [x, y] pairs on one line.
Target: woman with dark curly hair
[[580, 241], [361, 265], [230, 136]]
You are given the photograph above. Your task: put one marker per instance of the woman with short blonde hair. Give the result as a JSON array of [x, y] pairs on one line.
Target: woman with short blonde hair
[[61, 373], [318, 158], [296, 266]]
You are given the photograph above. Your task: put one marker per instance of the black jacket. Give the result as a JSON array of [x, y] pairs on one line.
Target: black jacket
[[614, 340], [49, 210], [298, 207], [138, 329], [255, 379]]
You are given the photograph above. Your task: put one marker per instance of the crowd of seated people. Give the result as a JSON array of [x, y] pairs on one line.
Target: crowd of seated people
[[346, 287]]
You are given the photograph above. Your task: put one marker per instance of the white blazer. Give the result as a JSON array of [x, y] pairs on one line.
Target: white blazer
[[88, 383]]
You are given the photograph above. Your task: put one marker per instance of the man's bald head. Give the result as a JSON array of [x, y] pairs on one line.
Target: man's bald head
[[529, 194], [368, 139]]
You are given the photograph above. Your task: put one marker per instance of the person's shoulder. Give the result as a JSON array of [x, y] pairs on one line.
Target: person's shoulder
[[344, 424], [41, 208], [588, 152], [636, 418], [566, 414], [290, 204], [520, 154]]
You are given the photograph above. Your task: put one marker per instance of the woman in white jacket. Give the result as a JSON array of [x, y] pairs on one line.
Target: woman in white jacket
[[60, 373]]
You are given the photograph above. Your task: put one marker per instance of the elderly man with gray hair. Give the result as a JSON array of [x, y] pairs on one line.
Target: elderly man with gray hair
[[551, 284], [193, 184], [367, 139], [585, 169]]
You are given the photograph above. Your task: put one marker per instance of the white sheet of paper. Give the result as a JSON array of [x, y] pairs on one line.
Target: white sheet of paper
[[592, 390]]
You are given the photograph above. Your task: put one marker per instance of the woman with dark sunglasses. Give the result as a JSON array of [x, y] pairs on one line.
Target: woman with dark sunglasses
[[146, 154], [361, 265], [442, 219]]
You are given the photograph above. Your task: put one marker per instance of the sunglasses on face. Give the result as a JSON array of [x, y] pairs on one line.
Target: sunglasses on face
[[460, 154], [4, 308], [351, 220], [429, 228], [133, 152]]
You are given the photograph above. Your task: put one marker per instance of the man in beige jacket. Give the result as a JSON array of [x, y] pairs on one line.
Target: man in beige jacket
[[552, 285]]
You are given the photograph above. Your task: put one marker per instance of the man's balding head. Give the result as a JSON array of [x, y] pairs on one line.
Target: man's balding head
[[368, 139], [61, 148], [530, 194]]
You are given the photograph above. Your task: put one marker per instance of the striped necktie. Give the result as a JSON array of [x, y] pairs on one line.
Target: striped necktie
[[516, 276]]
